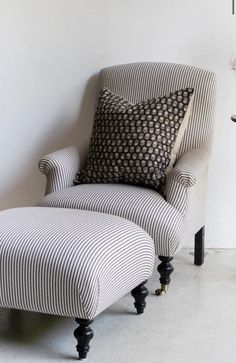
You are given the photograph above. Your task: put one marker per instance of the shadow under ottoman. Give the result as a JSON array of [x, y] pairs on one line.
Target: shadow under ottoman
[[72, 263]]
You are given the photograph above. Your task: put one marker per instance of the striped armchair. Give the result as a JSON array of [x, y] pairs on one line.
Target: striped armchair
[[172, 220]]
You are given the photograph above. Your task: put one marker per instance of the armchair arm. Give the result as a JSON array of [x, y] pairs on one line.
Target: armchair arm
[[184, 175], [60, 168]]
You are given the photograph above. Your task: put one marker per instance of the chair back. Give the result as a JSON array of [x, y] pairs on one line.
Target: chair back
[[139, 81]]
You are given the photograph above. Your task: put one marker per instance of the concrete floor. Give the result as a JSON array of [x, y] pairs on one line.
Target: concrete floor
[[195, 322]]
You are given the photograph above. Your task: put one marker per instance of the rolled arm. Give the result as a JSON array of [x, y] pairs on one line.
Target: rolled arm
[[184, 175], [60, 168]]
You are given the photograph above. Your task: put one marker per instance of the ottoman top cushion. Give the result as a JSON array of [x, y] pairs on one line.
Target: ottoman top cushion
[[69, 262]]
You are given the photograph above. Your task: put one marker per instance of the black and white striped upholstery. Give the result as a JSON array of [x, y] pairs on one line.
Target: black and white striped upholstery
[[69, 262], [60, 167], [145, 207], [185, 185]]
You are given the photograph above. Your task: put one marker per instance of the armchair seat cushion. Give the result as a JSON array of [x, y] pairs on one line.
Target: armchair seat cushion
[[143, 206]]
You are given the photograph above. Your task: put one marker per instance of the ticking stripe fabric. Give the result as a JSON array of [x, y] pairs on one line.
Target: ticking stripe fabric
[[190, 167], [69, 262], [162, 218], [60, 168], [143, 206], [139, 81]]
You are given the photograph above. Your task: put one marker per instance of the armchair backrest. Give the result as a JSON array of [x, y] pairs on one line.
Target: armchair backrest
[[139, 81]]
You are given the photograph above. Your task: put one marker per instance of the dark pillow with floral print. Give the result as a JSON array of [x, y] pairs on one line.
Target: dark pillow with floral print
[[133, 144]]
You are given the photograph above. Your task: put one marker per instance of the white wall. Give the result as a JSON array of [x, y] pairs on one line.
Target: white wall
[[51, 48]]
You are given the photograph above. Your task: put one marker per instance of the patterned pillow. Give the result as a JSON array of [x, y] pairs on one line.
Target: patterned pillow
[[133, 144]]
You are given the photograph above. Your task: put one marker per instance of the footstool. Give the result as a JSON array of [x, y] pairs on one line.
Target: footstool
[[72, 263]]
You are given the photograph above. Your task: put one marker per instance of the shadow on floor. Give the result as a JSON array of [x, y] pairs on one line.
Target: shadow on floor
[[26, 327]]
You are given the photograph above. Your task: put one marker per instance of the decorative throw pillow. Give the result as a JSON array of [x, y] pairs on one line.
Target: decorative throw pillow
[[133, 144]]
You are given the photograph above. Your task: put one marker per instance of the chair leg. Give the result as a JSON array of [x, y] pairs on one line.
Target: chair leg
[[165, 269], [199, 247], [139, 294], [83, 334]]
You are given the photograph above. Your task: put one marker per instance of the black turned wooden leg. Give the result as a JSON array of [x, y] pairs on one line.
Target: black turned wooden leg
[[199, 247], [139, 294], [165, 269], [83, 334]]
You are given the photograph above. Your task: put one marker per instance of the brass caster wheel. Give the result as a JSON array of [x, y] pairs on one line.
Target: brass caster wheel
[[162, 290]]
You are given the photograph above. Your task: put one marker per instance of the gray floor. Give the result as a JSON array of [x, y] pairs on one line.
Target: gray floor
[[195, 322]]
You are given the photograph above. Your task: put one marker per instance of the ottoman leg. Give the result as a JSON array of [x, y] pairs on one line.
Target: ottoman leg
[[83, 334], [140, 293]]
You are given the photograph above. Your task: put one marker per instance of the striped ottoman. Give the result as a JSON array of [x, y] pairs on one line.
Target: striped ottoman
[[72, 263]]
